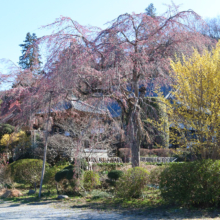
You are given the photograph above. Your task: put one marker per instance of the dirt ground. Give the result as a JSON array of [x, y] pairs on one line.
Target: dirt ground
[[8, 193], [62, 210]]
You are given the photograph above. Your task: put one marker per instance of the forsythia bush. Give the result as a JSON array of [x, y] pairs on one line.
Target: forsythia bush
[[132, 183], [196, 104], [193, 183]]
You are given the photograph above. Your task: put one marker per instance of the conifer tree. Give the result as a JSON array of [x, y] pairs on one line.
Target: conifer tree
[[30, 58], [151, 10]]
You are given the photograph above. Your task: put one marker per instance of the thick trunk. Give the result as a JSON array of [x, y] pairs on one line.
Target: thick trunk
[[134, 140], [135, 125], [135, 151]]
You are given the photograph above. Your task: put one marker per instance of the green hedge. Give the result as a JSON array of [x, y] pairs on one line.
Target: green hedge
[[109, 166], [191, 183], [26, 171], [155, 175]]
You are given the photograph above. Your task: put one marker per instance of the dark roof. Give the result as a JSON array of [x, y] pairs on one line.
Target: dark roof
[[79, 106], [84, 107]]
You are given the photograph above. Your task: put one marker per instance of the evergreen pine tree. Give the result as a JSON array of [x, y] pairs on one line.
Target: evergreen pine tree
[[151, 10], [30, 58]]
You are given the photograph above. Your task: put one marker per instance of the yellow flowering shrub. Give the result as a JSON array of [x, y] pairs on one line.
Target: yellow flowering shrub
[[194, 112]]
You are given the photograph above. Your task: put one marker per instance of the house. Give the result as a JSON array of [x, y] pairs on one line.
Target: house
[[86, 129]]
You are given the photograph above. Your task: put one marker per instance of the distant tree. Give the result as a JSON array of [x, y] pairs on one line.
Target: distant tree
[[151, 10], [29, 62], [9, 142], [6, 129], [30, 58], [213, 28]]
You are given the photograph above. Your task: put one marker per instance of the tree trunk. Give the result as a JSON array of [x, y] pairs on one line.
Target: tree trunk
[[134, 140], [135, 151], [45, 148], [57, 188]]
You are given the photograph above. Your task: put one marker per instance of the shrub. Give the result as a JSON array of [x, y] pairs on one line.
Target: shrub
[[98, 194], [193, 183], [155, 175], [68, 179], [90, 180], [132, 183], [26, 171], [66, 173], [49, 177], [69, 187], [115, 174], [108, 166]]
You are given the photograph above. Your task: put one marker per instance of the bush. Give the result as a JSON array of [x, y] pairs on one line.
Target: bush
[[27, 171], [155, 175], [115, 174], [108, 166], [97, 194], [132, 183], [68, 179], [49, 177], [90, 180], [192, 183], [66, 173]]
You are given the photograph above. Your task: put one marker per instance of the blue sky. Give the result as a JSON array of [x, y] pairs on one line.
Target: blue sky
[[21, 16]]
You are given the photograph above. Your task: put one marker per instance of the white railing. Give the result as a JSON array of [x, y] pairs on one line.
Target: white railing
[[104, 159], [158, 159]]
